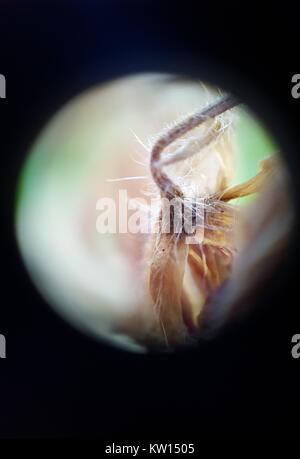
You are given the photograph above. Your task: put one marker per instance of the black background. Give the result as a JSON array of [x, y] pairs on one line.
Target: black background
[[57, 382]]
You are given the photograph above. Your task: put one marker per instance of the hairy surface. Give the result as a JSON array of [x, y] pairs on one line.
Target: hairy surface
[[186, 269]]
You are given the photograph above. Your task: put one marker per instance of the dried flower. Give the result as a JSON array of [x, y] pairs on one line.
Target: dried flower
[[185, 269]]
